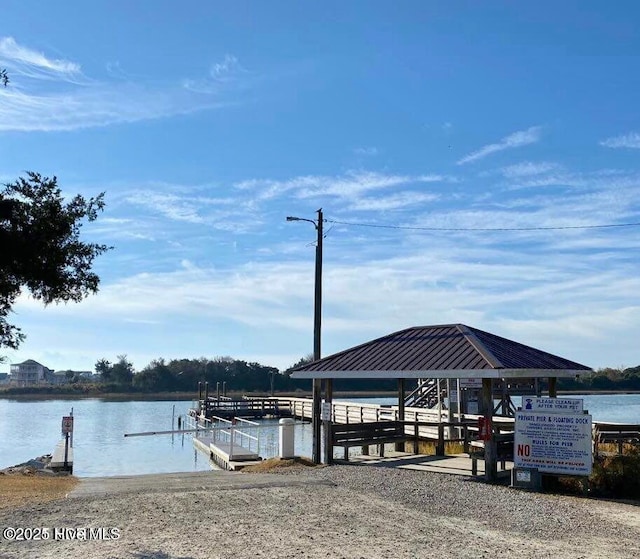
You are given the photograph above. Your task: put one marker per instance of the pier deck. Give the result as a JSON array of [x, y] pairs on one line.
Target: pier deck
[[57, 460], [459, 464]]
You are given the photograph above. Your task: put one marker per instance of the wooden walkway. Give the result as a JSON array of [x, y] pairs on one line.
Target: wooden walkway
[[458, 464], [57, 460]]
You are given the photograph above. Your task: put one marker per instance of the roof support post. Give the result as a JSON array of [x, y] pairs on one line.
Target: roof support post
[[450, 417], [490, 449], [316, 426], [328, 442], [553, 387], [400, 446]]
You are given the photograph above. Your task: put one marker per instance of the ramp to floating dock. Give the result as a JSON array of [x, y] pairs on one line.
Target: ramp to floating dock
[[230, 445], [236, 453]]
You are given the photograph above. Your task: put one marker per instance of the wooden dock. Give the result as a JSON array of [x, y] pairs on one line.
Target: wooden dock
[[438, 426], [254, 408], [57, 459]]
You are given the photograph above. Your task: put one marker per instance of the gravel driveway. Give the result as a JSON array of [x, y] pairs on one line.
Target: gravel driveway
[[341, 511]]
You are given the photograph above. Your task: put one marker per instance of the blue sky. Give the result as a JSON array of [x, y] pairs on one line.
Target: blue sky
[[207, 123]]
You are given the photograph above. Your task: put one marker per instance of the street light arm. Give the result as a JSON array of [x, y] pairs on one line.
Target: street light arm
[[292, 218]]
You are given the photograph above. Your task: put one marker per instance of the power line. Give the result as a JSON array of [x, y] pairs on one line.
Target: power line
[[417, 228]]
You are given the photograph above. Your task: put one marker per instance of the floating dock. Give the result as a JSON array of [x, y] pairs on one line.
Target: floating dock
[[221, 456]]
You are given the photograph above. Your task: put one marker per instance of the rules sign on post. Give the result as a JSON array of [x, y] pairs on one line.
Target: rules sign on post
[[67, 424], [554, 443]]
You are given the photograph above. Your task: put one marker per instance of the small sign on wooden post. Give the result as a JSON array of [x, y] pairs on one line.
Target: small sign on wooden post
[[67, 424], [67, 429]]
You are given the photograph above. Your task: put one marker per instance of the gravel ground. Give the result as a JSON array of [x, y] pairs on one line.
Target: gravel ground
[[343, 511]]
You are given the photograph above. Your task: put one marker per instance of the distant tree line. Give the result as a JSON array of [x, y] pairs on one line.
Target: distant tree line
[[183, 375], [236, 375], [604, 380]]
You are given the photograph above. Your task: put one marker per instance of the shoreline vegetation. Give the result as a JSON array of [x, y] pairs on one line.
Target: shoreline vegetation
[[179, 378], [43, 395]]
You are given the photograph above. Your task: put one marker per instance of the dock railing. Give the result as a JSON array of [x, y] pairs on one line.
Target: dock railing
[[236, 437]]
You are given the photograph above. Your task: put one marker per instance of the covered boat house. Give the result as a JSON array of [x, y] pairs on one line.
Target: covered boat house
[[424, 353]]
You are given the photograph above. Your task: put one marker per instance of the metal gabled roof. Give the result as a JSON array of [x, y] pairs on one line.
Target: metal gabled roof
[[444, 351]]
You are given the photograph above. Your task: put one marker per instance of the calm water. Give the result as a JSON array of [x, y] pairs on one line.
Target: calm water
[[30, 429]]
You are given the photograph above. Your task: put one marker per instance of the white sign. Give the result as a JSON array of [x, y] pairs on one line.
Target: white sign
[[67, 424], [554, 443], [470, 383], [554, 405], [325, 411]]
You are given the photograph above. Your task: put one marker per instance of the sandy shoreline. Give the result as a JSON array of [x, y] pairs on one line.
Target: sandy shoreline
[[342, 511]]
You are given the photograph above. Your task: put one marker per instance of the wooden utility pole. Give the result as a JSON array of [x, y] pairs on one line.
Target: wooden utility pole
[[317, 328], [317, 340]]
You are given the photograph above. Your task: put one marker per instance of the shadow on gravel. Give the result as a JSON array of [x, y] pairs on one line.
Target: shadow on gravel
[[159, 555]]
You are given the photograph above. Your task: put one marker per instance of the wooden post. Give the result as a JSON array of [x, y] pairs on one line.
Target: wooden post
[[66, 450], [490, 449], [553, 390], [315, 421], [440, 444], [465, 431], [450, 416], [328, 443], [400, 446]]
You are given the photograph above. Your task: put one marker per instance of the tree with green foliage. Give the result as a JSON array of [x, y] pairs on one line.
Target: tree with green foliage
[[121, 372], [103, 368], [41, 250], [155, 377]]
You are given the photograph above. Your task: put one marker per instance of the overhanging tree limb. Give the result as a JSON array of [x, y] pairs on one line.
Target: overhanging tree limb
[[40, 247]]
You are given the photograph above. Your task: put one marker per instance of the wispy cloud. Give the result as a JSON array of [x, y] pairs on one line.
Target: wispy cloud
[[176, 206], [168, 205], [517, 139], [32, 63], [347, 186], [528, 169], [393, 202], [229, 67], [631, 140], [49, 94]]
